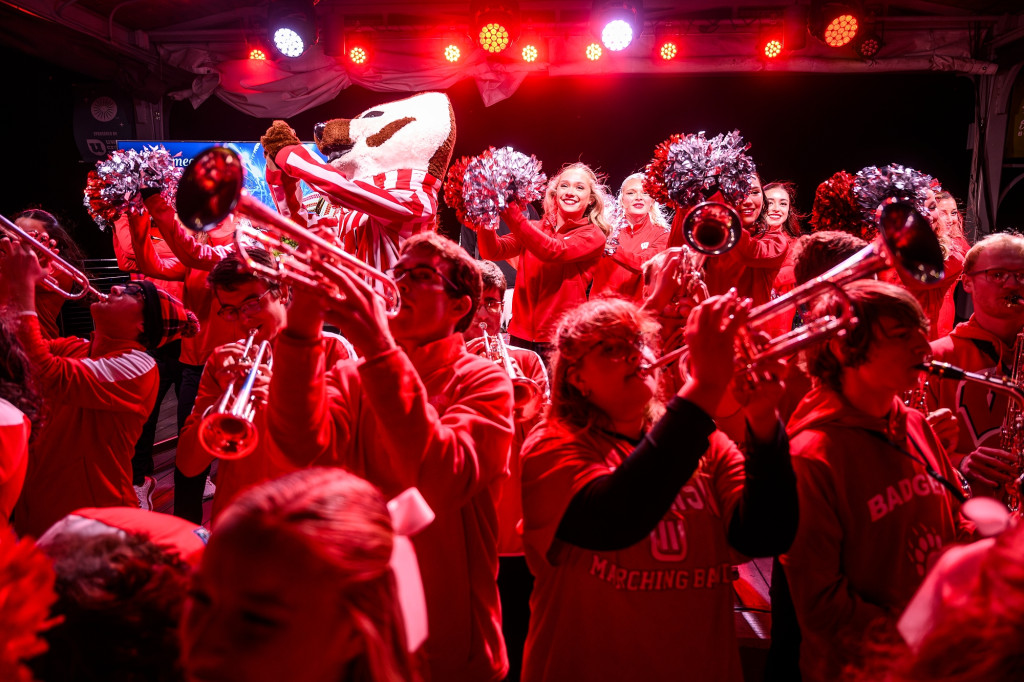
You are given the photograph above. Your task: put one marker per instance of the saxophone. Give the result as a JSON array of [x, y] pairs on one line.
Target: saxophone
[[1012, 432]]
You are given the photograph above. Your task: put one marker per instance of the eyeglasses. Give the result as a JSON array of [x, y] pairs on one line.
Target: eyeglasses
[[618, 349], [250, 307], [999, 276], [492, 305], [420, 274]]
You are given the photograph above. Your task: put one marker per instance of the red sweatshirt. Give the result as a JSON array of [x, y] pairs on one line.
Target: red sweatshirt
[[235, 476], [936, 299], [438, 419], [871, 522], [198, 259], [661, 609], [124, 251], [751, 266], [979, 411], [621, 273], [14, 432], [376, 217], [554, 274], [99, 394]]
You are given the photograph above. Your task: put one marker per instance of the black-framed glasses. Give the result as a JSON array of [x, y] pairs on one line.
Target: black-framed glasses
[[135, 291], [618, 349], [999, 275], [492, 305], [250, 307], [420, 274]]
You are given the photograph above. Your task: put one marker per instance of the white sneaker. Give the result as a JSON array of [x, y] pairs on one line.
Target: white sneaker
[[209, 489], [145, 493]]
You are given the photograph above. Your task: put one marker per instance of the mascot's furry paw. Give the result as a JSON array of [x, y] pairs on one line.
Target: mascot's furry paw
[[278, 136]]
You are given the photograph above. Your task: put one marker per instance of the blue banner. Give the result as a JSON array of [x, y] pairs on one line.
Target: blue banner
[[251, 154]]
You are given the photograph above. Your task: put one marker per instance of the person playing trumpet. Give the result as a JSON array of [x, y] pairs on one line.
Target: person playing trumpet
[[419, 411], [994, 277], [260, 305]]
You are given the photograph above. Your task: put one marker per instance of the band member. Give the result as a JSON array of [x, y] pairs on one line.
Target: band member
[[877, 492], [556, 254], [994, 277], [21, 416], [634, 512], [640, 234], [531, 394], [417, 411], [259, 305], [98, 392]]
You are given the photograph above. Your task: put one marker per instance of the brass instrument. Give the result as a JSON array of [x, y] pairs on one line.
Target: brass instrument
[[527, 396], [79, 278], [1012, 432], [907, 242], [227, 430], [688, 275], [211, 188], [712, 228]]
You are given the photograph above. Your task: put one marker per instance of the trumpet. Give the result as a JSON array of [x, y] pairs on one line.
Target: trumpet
[[211, 188], [907, 243], [527, 396], [79, 278], [227, 430], [712, 228]]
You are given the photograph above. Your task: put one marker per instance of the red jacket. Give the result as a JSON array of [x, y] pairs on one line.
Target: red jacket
[[235, 476], [621, 273], [99, 394], [376, 217], [124, 251], [871, 522], [554, 274], [979, 411], [936, 299], [14, 432], [438, 419], [196, 260], [661, 609], [751, 266]]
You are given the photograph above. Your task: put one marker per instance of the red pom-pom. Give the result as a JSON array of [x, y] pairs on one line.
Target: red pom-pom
[[453, 187], [654, 173], [836, 208]]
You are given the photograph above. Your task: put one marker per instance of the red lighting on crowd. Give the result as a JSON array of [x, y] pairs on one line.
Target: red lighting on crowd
[[257, 54]]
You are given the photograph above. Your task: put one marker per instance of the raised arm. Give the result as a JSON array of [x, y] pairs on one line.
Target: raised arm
[[147, 260], [583, 243], [495, 247], [185, 247]]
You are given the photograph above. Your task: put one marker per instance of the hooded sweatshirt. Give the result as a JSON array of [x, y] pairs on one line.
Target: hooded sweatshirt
[[871, 522]]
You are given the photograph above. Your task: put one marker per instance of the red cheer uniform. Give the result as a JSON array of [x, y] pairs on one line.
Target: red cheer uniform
[[621, 273], [99, 394], [554, 274], [871, 522], [661, 609], [751, 266], [438, 419]]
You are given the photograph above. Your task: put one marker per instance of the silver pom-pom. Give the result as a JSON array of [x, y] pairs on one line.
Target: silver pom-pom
[[497, 178], [112, 189], [873, 185], [688, 169]]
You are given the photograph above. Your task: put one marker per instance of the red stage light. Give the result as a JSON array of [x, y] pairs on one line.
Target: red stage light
[[257, 53], [452, 52], [493, 37], [840, 30], [593, 52], [668, 50], [530, 53], [773, 48], [358, 55]]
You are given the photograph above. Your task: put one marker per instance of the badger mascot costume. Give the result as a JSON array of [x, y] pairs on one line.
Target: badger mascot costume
[[383, 173]]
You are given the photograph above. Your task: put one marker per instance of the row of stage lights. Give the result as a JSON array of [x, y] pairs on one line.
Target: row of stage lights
[[495, 29]]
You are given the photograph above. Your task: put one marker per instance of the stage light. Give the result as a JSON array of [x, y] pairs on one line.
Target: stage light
[[773, 48], [530, 53], [452, 52], [667, 41], [616, 23], [836, 23], [257, 54], [868, 43], [771, 42], [291, 26], [494, 24], [593, 52], [359, 47]]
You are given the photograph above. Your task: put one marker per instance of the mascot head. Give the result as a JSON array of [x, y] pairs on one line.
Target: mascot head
[[417, 132]]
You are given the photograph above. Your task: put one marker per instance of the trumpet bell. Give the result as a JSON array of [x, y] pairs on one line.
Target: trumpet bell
[[227, 436], [712, 228], [910, 240], [527, 398], [209, 189]]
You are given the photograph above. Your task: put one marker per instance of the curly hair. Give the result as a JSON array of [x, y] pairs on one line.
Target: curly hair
[[578, 332], [17, 381], [344, 520], [231, 271], [66, 246], [121, 598], [599, 196]]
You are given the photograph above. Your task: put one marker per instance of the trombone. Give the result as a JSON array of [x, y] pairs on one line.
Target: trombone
[[527, 396], [907, 243], [211, 188], [227, 430], [58, 264]]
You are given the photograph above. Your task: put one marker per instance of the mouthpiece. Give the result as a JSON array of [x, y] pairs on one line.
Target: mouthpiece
[[943, 370]]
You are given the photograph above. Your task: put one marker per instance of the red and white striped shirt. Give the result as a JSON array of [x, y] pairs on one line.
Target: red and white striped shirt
[[376, 217]]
